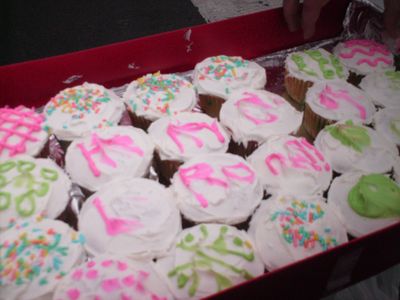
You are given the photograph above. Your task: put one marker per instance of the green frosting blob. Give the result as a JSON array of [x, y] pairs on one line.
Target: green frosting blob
[[375, 196], [350, 135]]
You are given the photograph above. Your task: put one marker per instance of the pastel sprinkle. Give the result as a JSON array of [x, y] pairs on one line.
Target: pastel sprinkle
[[73, 294]]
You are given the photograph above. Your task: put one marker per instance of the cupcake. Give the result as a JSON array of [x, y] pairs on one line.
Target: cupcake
[[35, 256], [354, 147], [181, 137], [305, 68], [363, 57], [158, 95], [217, 77], [366, 202], [30, 187], [286, 229], [21, 132], [208, 258], [387, 123], [291, 165], [136, 218], [108, 154], [75, 111], [111, 277], [327, 103], [383, 88], [253, 115], [219, 188]]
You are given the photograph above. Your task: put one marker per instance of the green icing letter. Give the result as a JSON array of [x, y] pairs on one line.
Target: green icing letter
[[7, 166]]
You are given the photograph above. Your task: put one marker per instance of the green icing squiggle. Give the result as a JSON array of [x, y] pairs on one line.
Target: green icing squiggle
[[375, 196]]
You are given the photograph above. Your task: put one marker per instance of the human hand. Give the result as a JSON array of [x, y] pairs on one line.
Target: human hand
[[391, 18]]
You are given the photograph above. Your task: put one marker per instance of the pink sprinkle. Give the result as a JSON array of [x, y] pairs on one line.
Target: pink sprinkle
[[129, 280], [107, 263], [122, 266], [73, 294], [155, 297], [92, 274], [97, 298], [77, 274], [110, 285], [91, 264], [125, 297]]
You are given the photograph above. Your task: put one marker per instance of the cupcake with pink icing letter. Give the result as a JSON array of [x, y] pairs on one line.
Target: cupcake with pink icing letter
[[21, 132], [113, 277]]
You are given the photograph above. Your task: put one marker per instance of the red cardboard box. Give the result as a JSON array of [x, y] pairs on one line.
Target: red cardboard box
[[33, 83]]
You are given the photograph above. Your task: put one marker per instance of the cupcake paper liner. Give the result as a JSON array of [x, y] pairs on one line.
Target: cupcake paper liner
[[313, 123]]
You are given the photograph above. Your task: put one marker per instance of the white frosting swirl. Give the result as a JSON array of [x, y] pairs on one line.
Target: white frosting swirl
[[221, 75], [221, 188], [186, 135], [376, 156], [208, 258], [338, 101], [290, 165], [254, 115], [387, 123], [287, 229], [108, 154], [132, 217], [75, 111], [157, 95]]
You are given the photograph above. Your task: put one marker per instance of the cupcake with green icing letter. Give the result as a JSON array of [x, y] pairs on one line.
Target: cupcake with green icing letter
[[367, 202]]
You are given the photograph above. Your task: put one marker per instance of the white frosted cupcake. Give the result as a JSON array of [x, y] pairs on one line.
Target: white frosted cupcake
[[113, 278], [220, 188], [387, 123], [304, 68], [290, 165], [253, 115], [136, 218], [21, 132], [209, 258], [108, 154], [383, 88], [363, 57], [366, 202], [186, 135], [31, 186], [153, 96], [35, 256], [286, 229], [217, 77], [351, 147], [327, 103], [75, 111]]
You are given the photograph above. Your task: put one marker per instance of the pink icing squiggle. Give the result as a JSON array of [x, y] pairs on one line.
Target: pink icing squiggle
[[373, 48], [255, 100], [115, 226], [329, 99], [374, 63], [274, 156], [188, 129], [249, 178], [99, 147]]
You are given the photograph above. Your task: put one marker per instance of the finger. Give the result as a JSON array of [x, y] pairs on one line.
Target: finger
[[291, 13], [391, 17], [310, 15]]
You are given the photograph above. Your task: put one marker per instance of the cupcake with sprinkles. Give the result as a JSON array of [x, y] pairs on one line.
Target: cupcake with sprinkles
[[75, 111], [35, 256], [217, 77], [21, 132], [113, 278], [287, 229], [157, 95]]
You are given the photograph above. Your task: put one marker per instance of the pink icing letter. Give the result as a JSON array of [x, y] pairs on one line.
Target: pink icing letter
[[256, 101]]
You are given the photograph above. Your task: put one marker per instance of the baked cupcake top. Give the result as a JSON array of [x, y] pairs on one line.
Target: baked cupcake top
[[75, 111], [221, 75], [108, 154], [291, 165], [364, 56], [387, 123], [157, 95], [366, 202], [208, 258], [131, 217], [350, 146], [383, 88], [254, 115], [21, 132], [30, 187], [186, 135], [220, 188], [111, 277], [340, 101], [286, 229], [35, 256], [315, 65]]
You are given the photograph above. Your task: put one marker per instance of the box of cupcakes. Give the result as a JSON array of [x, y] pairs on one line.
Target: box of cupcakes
[[250, 163]]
